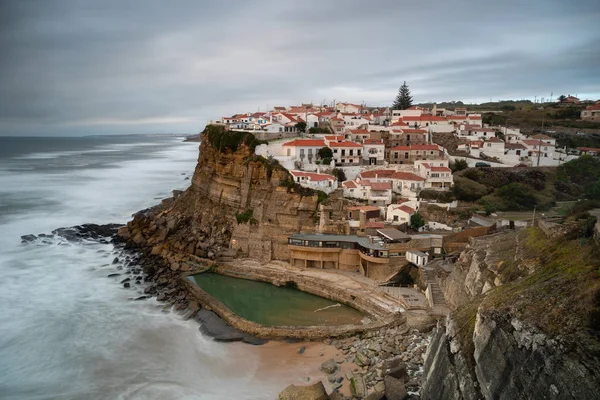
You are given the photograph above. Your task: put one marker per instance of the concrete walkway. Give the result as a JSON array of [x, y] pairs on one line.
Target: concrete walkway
[[350, 281]]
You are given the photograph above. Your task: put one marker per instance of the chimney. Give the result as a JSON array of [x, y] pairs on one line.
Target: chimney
[[318, 170]]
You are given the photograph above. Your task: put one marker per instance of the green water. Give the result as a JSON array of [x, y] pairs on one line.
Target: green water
[[275, 306]]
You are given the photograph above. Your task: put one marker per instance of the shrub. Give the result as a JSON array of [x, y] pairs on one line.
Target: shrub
[[339, 174], [441, 196], [459, 165], [224, 140], [325, 152], [468, 190], [416, 220], [246, 217], [518, 196]]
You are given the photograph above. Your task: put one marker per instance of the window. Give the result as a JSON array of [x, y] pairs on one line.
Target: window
[[343, 152], [335, 151], [351, 152], [350, 161], [358, 152], [395, 218]]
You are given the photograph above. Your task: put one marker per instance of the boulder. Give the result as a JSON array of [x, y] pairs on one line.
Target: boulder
[[329, 366], [394, 388], [358, 386], [124, 233], [395, 368], [312, 392], [361, 359]]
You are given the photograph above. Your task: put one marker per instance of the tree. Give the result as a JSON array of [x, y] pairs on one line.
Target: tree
[[301, 126], [404, 99], [562, 98], [517, 196], [416, 220], [459, 165], [339, 174], [325, 152]]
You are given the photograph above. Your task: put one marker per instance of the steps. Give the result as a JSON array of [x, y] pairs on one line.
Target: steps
[[436, 292]]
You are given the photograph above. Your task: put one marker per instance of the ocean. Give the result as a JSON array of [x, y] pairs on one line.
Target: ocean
[[67, 331]]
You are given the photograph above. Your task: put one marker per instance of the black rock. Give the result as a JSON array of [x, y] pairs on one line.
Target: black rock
[[125, 280], [142, 298], [28, 238], [113, 275], [116, 260], [126, 285], [253, 340], [218, 329]]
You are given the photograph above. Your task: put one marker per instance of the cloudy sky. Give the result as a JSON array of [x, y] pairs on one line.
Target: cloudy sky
[[112, 66]]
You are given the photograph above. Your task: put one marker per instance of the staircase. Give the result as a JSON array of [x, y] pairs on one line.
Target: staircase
[[436, 292]]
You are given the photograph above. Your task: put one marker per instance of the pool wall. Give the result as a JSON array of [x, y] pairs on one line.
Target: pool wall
[[380, 316]]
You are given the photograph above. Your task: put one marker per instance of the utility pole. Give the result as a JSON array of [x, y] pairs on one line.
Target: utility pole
[[533, 220], [539, 151]]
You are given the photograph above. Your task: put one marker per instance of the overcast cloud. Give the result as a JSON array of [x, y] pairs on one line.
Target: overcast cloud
[[93, 67]]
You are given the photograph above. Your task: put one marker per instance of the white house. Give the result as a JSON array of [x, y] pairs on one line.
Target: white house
[[493, 147], [404, 183], [417, 257], [274, 127], [437, 174], [399, 214], [375, 193], [348, 108], [317, 181], [303, 149], [346, 153], [373, 151]]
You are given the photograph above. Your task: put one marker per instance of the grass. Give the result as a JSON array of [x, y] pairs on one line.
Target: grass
[[558, 296]]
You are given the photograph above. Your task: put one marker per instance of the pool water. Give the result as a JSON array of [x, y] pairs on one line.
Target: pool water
[[272, 305]]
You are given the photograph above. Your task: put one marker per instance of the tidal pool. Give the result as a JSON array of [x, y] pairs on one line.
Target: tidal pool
[[272, 305]]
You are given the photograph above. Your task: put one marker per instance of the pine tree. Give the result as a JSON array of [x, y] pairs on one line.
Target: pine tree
[[404, 99]]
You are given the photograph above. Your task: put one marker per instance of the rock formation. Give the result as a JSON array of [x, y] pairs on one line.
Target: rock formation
[[238, 204], [519, 330]]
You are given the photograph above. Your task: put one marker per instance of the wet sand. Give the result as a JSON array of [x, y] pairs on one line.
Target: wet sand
[[282, 361]]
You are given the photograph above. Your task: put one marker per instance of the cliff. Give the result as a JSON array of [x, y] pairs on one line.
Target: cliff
[[525, 324], [238, 204]]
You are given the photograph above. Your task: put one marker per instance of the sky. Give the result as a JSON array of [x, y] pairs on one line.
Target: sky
[[78, 67]]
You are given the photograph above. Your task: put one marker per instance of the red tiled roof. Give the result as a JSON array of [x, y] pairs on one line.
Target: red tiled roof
[[406, 209], [349, 184], [531, 142], [344, 144], [440, 169], [374, 224], [335, 119], [406, 176], [380, 185], [514, 146], [460, 117], [432, 118], [414, 131], [306, 143], [334, 137], [380, 173], [494, 140], [593, 107], [542, 137], [314, 176], [592, 149], [364, 208], [417, 147], [474, 116], [360, 131], [372, 141], [411, 118]]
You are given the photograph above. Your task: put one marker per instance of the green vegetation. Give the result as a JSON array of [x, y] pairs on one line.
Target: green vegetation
[[339, 174], [294, 187], [301, 126], [416, 221], [225, 140], [459, 165], [318, 130], [270, 164], [326, 154], [561, 296], [468, 190], [246, 217], [441, 196], [403, 99]]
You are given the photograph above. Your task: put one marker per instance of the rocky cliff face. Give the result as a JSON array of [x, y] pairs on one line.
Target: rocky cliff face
[[236, 206], [508, 360], [519, 330]]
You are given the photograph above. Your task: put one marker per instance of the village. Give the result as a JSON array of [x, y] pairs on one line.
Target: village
[[374, 163]]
